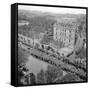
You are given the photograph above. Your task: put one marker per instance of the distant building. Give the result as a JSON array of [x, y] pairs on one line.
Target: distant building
[[22, 23], [64, 32]]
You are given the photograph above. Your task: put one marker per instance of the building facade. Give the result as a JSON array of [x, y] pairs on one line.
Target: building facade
[[64, 32]]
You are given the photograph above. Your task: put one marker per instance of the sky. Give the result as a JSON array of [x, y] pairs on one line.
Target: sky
[[53, 9]]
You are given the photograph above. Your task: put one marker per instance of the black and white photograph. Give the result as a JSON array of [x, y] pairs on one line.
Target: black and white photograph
[[52, 45]]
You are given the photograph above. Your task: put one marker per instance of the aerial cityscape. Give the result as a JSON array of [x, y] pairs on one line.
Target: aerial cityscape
[[51, 45]]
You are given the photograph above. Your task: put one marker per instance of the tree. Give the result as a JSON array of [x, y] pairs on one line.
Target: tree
[[32, 78], [41, 77], [69, 77], [52, 73], [22, 70], [81, 53]]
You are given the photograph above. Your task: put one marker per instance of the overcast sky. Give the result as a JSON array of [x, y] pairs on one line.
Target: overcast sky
[[53, 9]]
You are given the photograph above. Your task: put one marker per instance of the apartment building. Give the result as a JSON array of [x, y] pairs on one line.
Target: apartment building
[[64, 32]]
